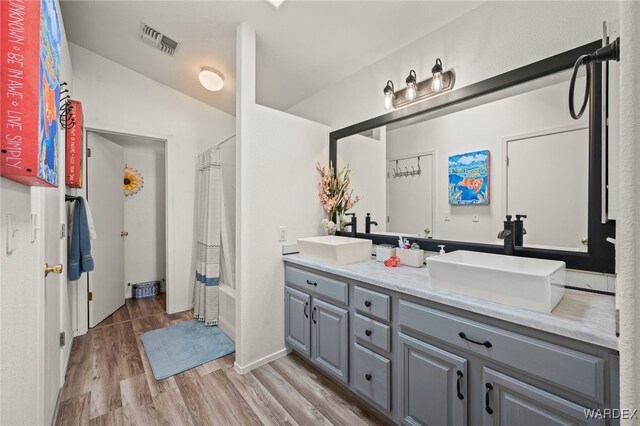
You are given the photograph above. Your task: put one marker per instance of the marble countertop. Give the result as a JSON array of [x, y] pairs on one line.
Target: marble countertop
[[583, 316]]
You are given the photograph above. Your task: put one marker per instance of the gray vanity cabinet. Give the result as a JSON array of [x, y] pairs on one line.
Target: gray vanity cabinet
[[432, 384], [330, 329], [508, 401], [297, 306]]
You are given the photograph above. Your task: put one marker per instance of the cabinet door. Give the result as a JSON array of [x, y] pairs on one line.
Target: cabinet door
[[297, 325], [508, 401], [330, 342], [433, 384]]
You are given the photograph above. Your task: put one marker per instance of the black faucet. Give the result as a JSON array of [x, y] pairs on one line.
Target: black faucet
[[518, 230], [353, 224], [368, 222], [508, 236]]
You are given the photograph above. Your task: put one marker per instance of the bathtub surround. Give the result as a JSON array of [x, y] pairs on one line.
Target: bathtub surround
[[208, 223]]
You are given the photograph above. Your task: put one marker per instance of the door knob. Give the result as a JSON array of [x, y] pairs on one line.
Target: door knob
[[56, 269], [124, 234]]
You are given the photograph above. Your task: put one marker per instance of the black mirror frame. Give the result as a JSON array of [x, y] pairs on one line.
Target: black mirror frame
[[600, 256]]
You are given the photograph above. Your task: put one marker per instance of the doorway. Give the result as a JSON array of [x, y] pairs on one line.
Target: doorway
[[130, 223]]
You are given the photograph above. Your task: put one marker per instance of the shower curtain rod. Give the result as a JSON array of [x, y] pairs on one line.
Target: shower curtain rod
[[226, 140]]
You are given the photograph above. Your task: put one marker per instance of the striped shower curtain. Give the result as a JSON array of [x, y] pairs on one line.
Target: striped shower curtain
[[208, 220]]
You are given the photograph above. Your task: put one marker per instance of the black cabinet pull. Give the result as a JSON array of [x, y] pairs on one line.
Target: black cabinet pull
[[306, 312], [487, 401], [486, 343], [368, 377], [367, 303], [458, 384], [367, 332], [313, 315], [312, 283]]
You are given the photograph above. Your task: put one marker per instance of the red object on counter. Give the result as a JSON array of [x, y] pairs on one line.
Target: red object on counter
[[392, 262]]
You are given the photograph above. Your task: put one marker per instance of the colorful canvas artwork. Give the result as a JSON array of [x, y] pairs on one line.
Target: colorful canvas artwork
[[469, 178], [30, 86]]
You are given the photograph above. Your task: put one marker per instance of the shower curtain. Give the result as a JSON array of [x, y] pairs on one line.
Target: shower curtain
[[208, 221]]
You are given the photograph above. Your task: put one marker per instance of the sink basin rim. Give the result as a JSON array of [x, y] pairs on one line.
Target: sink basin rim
[[549, 266]]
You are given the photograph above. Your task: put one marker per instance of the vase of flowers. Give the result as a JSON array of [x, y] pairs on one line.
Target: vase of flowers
[[335, 195]]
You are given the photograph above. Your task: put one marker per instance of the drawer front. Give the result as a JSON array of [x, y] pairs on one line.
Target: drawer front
[[372, 376], [372, 303], [373, 332], [575, 371], [328, 287]]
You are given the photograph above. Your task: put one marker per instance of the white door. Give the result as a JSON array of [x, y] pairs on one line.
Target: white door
[[410, 198], [537, 185], [106, 200], [54, 255]]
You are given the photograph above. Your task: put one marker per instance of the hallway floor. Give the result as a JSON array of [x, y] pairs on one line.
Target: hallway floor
[[109, 382]]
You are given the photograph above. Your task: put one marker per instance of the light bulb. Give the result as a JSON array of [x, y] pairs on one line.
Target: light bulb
[[436, 82], [411, 92], [388, 101]]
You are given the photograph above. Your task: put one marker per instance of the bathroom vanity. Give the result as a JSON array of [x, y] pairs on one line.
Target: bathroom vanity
[[420, 355]]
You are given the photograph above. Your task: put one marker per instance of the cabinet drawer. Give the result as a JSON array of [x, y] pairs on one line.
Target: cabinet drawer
[[372, 303], [575, 371], [328, 287], [374, 332], [372, 376]]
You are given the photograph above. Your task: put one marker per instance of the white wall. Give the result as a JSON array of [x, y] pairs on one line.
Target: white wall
[[118, 99], [367, 160], [22, 288], [277, 184], [144, 217], [628, 226], [491, 39]]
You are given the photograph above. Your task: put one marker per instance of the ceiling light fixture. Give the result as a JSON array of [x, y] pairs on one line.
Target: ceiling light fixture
[[388, 95], [211, 79], [439, 82]]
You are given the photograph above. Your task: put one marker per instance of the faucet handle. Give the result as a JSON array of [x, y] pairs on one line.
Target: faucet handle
[[509, 218], [521, 216]]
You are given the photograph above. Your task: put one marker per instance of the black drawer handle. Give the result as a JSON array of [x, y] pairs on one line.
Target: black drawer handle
[[306, 312], [458, 385], [487, 401], [486, 343], [313, 315], [367, 332], [368, 377], [312, 283], [367, 303]]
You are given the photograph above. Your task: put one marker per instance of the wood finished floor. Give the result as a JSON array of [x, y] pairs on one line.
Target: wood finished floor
[[109, 382]]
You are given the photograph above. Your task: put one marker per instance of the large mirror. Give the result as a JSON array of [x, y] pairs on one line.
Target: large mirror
[[452, 173]]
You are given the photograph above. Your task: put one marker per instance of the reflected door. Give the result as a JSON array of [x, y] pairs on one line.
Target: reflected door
[[548, 180], [410, 202]]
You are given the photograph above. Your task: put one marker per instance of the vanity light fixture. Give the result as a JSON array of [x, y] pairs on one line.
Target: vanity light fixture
[[211, 79], [439, 82], [389, 95], [411, 86], [436, 80]]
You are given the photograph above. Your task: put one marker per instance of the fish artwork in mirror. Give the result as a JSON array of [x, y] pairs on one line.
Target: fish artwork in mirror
[[449, 169]]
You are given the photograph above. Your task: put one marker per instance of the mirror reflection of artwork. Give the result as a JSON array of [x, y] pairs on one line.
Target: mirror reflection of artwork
[[469, 178]]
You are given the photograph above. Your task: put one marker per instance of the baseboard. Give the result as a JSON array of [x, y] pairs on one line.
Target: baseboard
[[262, 361]]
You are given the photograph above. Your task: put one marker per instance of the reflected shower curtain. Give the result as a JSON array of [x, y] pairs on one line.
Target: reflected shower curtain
[[208, 220]]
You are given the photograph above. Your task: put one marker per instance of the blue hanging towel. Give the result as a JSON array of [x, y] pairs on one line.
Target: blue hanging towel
[[80, 259]]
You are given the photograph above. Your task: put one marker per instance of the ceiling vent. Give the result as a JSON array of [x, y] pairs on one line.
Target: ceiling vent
[[158, 40]]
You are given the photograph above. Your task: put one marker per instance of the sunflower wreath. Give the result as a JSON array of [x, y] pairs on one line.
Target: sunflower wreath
[[133, 181]]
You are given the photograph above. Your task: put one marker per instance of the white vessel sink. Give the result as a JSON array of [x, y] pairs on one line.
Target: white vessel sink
[[534, 284], [335, 250]]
